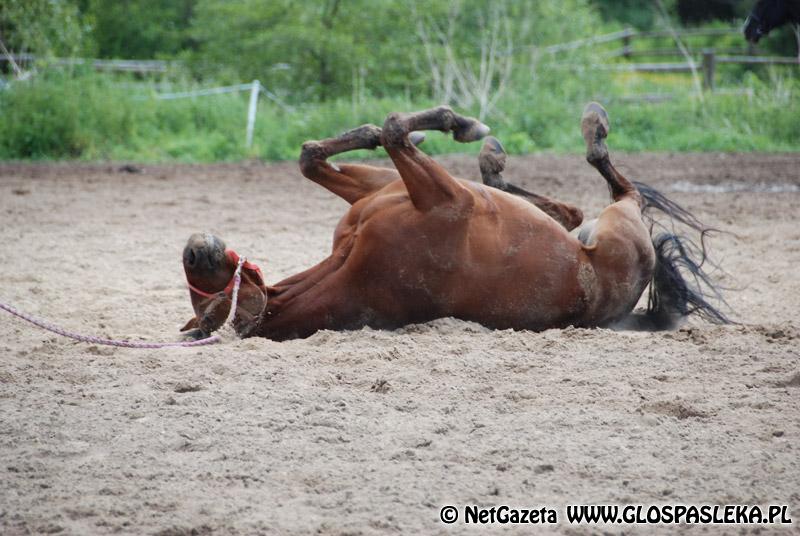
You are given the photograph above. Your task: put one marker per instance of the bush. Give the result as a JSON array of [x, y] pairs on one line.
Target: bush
[[89, 116]]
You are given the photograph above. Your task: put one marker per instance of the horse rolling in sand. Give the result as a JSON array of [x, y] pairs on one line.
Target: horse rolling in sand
[[418, 244]]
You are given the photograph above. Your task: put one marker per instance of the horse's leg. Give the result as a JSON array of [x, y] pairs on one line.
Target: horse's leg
[[287, 289], [627, 199], [351, 182], [325, 305], [492, 162], [595, 127], [618, 243], [428, 183]]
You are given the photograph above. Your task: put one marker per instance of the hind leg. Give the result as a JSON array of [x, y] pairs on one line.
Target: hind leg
[[429, 185], [351, 182], [492, 162], [595, 128], [619, 244], [625, 211]]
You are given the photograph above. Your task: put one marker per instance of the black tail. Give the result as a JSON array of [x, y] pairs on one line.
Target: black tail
[[681, 284]]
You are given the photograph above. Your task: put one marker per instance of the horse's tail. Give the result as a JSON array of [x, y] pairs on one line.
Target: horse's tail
[[681, 284]]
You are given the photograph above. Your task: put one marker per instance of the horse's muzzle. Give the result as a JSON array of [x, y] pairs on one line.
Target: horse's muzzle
[[204, 253], [752, 30]]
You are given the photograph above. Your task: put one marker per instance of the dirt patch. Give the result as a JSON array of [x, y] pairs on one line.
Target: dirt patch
[[372, 432]]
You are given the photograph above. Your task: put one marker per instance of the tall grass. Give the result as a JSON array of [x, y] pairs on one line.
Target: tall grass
[[93, 117]]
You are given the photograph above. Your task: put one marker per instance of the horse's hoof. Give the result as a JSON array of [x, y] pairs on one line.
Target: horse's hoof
[[416, 137], [595, 118], [595, 127], [492, 158], [194, 335], [468, 129], [493, 144]]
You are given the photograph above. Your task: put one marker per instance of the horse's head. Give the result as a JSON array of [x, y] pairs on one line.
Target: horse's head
[[765, 17], [210, 269]]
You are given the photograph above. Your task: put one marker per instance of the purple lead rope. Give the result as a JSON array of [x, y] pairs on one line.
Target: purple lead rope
[[213, 339]]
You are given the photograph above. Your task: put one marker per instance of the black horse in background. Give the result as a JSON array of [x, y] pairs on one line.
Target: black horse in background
[[768, 15]]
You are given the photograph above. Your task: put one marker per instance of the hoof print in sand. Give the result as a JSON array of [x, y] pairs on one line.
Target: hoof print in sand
[[672, 409], [185, 387], [380, 386]]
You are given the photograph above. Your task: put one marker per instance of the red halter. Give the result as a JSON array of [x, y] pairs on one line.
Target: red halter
[[234, 257]]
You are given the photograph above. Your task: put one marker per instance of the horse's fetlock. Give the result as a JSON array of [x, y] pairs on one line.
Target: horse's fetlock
[[369, 135], [594, 158], [311, 154], [392, 119], [394, 130], [311, 147]]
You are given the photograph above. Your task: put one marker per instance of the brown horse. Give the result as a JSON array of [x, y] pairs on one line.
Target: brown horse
[[418, 244]]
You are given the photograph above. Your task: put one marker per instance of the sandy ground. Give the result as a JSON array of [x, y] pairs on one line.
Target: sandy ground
[[372, 432]]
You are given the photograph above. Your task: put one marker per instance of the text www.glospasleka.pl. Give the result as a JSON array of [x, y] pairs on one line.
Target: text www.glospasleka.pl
[[631, 514]]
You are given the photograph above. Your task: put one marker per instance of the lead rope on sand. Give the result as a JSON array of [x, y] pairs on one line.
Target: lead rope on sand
[[213, 339]]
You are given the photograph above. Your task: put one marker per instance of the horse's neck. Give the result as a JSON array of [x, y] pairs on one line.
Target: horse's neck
[[793, 8]]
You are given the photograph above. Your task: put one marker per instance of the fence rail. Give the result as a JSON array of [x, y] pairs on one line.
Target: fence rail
[[708, 65], [129, 66], [627, 36], [671, 52], [692, 32], [708, 61], [758, 60]]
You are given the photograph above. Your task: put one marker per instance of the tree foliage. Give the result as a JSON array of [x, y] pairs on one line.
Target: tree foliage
[[459, 51], [46, 27], [139, 29], [321, 50]]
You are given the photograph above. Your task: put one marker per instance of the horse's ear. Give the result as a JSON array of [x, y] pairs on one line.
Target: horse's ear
[[191, 324]]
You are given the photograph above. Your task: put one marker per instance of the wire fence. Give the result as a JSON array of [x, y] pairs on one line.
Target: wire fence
[[255, 88], [703, 60], [707, 64]]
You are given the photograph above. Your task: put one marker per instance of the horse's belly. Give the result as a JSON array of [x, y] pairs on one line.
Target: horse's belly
[[519, 273], [538, 293]]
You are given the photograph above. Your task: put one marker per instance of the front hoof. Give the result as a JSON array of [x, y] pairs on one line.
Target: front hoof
[[416, 137], [468, 130], [194, 335], [492, 158]]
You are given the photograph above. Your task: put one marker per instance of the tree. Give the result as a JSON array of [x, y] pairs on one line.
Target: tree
[[139, 29], [319, 50], [45, 28]]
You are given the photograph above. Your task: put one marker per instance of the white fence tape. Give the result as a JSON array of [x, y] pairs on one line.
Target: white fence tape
[[255, 87], [203, 92]]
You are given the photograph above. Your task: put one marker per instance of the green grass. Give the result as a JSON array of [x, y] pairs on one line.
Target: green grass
[[92, 117]]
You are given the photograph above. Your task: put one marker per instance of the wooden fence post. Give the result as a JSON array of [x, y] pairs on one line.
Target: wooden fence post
[[251, 112], [626, 45], [709, 66]]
